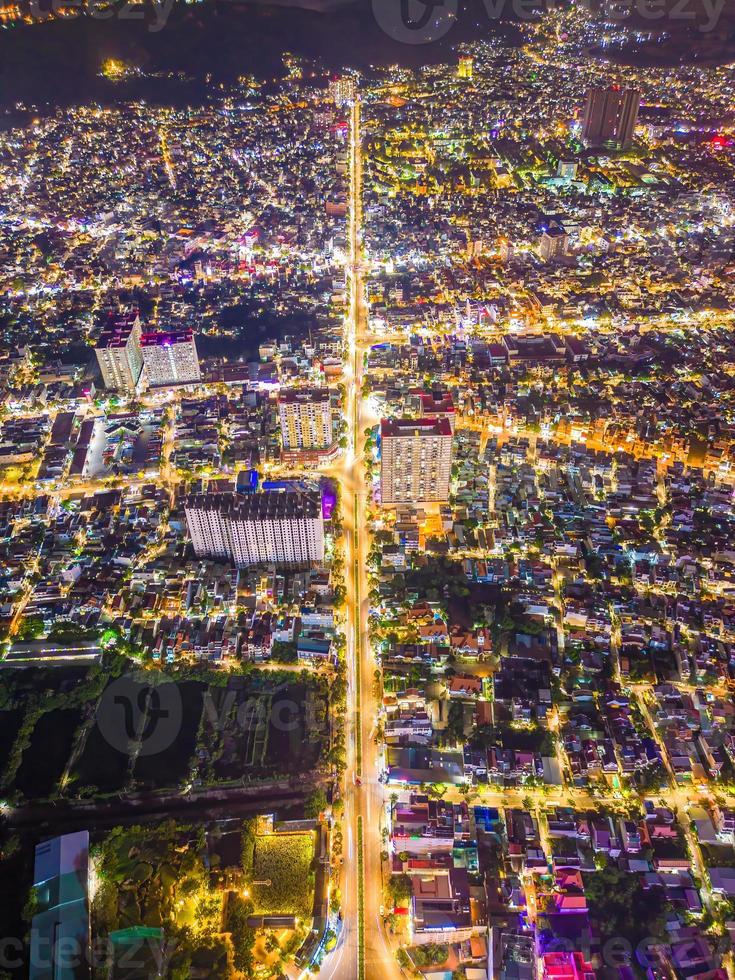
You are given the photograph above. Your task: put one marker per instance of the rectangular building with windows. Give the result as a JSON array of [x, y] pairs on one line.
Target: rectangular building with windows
[[610, 117], [305, 415], [415, 460], [268, 527], [60, 928], [342, 90], [118, 353], [170, 358]]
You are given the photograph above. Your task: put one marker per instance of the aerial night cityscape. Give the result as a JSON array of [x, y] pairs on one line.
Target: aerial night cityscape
[[367, 490]]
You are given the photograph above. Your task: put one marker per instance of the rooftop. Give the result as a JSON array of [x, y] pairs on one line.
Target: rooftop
[[117, 330], [291, 396], [166, 338], [260, 506], [415, 427]]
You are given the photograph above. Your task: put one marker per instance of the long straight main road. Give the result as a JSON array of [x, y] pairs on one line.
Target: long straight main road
[[363, 950]]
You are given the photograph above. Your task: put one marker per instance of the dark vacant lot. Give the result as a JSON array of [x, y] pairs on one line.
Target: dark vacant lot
[[9, 724], [46, 757], [253, 730], [99, 765], [255, 726], [170, 766]]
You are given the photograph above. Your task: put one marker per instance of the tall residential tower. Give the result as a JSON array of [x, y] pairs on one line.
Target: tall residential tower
[[170, 358], [270, 527], [610, 117], [118, 352], [415, 460], [305, 415]]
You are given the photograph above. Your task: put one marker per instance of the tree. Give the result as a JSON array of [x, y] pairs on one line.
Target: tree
[[403, 958], [335, 901], [248, 847], [243, 937], [455, 721], [601, 860], [621, 908], [31, 628], [469, 792], [31, 906], [400, 889], [284, 652], [315, 804]]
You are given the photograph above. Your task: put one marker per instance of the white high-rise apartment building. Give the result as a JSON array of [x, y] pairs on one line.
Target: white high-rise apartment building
[[415, 460], [306, 418], [118, 353], [270, 527], [170, 358]]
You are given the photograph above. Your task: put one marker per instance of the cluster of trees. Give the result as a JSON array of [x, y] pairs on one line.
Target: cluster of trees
[[440, 579], [455, 730], [237, 913], [335, 759], [30, 628], [400, 889], [247, 855], [433, 954], [316, 803], [284, 652], [620, 907], [66, 631]]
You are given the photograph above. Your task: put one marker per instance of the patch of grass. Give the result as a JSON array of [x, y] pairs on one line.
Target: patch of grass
[[284, 860], [360, 903], [358, 672]]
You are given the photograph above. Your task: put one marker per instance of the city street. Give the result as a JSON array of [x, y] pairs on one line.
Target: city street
[[363, 949]]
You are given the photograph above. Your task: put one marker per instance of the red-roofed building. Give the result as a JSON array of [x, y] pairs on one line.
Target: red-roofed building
[[564, 965]]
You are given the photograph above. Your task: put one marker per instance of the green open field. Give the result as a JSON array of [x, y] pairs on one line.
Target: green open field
[[286, 861]]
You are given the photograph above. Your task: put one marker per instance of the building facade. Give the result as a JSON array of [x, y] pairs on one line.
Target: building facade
[[610, 116], [554, 244], [118, 353], [170, 358], [465, 66], [342, 90], [305, 415], [60, 929], [415, 460], [269, 527], [438, 405]]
